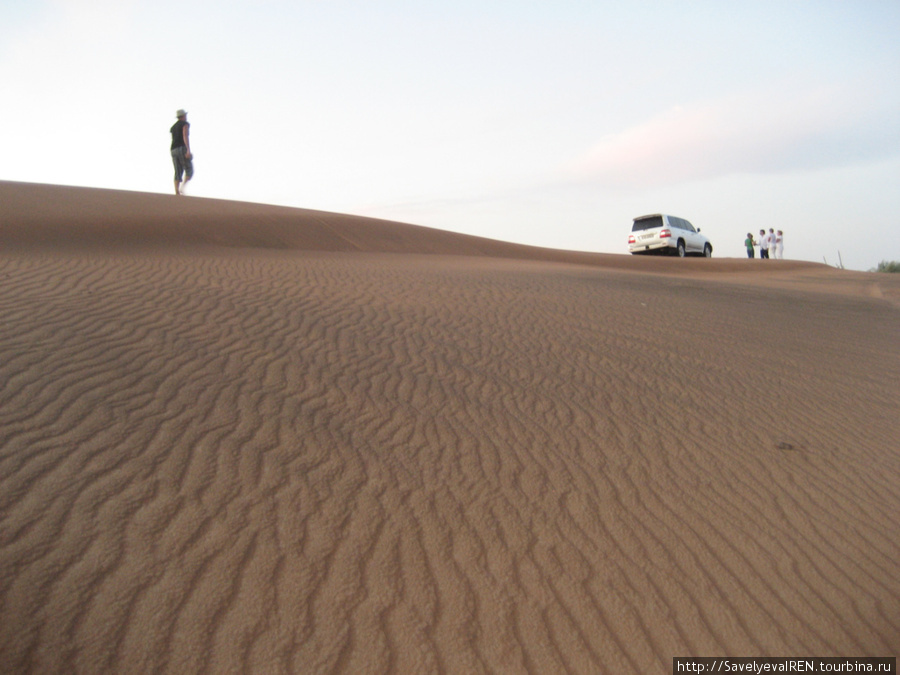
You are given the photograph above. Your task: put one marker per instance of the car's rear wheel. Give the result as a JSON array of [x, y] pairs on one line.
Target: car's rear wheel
[[707, 251], [679, 251]]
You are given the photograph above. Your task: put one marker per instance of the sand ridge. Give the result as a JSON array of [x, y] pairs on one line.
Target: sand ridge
[[267, 458], [44, 217]]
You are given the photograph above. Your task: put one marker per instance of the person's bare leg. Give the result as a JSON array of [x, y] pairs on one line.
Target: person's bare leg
[[178, 187]]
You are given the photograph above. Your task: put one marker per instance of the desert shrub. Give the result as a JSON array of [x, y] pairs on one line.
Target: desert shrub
[[885, 266]]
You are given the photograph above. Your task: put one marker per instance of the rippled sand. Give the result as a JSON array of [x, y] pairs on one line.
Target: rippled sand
[[237, 438]]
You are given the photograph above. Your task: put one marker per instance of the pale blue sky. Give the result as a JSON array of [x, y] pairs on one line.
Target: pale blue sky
[[546, 123]]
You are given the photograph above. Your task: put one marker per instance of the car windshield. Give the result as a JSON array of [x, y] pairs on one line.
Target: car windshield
[[647, 223]]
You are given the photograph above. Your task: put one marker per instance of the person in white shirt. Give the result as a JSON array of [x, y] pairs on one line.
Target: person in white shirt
[[763, 245], [779, 245]]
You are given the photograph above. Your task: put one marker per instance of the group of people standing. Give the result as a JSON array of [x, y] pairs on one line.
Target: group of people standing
[[771, 245]]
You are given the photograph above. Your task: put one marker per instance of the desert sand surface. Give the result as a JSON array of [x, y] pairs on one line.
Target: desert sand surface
[[238, 438]]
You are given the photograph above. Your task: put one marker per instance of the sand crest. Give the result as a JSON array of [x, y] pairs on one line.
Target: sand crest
[[239, 438]]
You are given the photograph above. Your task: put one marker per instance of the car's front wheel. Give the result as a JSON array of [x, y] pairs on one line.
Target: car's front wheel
[[679, 251], [707, 251]]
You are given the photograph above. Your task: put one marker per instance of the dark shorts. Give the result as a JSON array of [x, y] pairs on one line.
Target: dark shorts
[[183, 165]]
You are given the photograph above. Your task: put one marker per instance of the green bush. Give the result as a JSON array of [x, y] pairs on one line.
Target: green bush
[[885, 266]]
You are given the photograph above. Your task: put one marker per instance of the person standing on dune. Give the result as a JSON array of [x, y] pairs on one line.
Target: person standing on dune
[[779, 245], [763, 245], [181, 151], [749, 243]]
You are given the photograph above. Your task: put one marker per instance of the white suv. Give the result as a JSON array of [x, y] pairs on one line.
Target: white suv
[[660, 233]]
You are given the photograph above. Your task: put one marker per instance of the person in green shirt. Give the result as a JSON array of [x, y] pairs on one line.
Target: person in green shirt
[[749, 243]]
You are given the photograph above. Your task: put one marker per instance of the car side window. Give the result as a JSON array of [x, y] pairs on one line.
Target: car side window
[[689, 227]]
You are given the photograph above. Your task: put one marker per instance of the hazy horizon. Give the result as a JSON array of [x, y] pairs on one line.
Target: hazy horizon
[[545, 125]]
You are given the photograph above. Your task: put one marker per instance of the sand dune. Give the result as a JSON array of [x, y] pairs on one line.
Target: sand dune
[[242, 438]]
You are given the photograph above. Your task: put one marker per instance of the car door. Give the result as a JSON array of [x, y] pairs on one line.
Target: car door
[[693, 242]]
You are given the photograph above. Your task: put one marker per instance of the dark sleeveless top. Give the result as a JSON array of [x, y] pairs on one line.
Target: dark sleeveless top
[[177, 134]]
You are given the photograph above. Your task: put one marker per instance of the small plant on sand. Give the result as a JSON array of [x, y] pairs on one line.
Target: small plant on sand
[[885, 266]]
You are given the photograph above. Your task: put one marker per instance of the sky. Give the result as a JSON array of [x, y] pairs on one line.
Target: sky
[[550, 123]]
